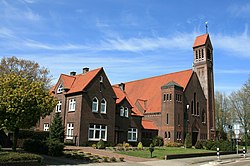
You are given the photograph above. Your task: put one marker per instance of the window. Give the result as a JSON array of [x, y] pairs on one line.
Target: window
[[59, 106], [126, 112], [169, 135], [203, 117], [101, 79], [97, 132], [103, 106], [178, 119], [167, 118], [170, 96], [196, 54], [70, 131], [165, 135], [178, 136], [132, 134], [164, 97], [198, 108], [72, 104], [95, 105], [167, 96], [121, 111], [60, 89], [192, 107], [45, 127]]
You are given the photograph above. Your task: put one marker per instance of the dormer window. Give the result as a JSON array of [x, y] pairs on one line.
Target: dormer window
[[60, 89]]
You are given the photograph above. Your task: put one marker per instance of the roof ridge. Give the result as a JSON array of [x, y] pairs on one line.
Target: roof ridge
[[158, 76]]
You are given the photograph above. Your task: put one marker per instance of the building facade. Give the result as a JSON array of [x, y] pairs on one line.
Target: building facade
[[169, 105]]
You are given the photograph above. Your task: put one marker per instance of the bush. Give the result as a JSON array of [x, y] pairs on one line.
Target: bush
[[198, 145], [113, 159], [140, 146], [94, 146], [14, 156], [174, 144], [158, 141], [188, 143], [35, 146], [30, 134], [121, 159], [223, 145], [55, 147], [100, 144]]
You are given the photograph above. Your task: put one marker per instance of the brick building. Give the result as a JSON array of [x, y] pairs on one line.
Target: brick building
[[169, 105]]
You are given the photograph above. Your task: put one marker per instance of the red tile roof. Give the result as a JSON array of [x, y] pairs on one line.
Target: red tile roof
[[149, 89], [121, 96], [200, 40], [149, 125], [78, 82]]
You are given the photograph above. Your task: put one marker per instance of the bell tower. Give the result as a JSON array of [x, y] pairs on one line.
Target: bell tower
[[203, 67]]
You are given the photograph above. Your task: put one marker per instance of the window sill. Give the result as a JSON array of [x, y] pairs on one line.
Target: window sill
[[96, 112], [96, 139], [69, 138], [132, 140], [71, 111]]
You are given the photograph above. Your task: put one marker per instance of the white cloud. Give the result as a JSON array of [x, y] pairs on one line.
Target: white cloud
[[240, 11]]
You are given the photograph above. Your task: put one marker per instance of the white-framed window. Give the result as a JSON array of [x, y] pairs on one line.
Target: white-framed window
[[70, 131], [132, 134], [72, 104], [97, 132], [59, 106], [103, 106], [126, 112], [60, 89], [95, 105], [45, 127], [121, 111]]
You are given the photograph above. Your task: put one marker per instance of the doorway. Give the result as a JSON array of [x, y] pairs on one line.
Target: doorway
[[194, 137]]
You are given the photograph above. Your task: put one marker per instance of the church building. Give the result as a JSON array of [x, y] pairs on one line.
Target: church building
[[169, 105]]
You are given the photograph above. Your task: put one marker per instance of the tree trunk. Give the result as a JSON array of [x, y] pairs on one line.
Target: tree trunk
[[15, 137]]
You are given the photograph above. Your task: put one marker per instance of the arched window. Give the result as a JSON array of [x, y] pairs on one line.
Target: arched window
[[95, 105], [121, 111], [103, 106], [169, 135], [192, 107], [164, 97], [165, 135], [198, 108], [126, 112], [208, 54]]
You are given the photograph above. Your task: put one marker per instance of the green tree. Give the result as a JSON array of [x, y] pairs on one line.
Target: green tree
[[223, 116], [25, 68], [56, 131], [240, 101], [22, 102]]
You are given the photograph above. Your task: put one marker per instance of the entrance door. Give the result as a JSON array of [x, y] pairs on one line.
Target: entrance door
[[194, 137]]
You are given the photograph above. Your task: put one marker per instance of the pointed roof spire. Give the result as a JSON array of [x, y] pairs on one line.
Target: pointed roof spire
[[206, 27], [200, 40]]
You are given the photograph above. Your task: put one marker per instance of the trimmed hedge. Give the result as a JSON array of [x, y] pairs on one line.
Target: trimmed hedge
[[15, 156], [29, 134]]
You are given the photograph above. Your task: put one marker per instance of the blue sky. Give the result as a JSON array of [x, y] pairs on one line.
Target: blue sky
[[130, 39]]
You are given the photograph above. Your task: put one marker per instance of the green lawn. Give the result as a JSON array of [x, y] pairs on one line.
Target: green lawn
[[6, 156], [161, 152]]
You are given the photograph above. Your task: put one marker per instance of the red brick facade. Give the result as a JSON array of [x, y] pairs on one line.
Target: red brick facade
[[170, 105]]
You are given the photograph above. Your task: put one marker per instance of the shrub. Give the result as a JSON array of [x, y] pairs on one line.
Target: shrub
[[105, 159], [56, 131], [198, 145], [174, 144], [158, 141], [14, 156], [94, 146], [187, 142], [113, 159], [55, 147], [30, 134], [140, 146], [35, 146], [121, 159], [100, 144], [0, 148]]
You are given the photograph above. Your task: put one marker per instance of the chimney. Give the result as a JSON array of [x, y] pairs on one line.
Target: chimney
[[85, 70], [73, 73], [122, 86]]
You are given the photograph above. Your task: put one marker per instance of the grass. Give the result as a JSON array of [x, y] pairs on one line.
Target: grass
[[6, 156], [161, 152]]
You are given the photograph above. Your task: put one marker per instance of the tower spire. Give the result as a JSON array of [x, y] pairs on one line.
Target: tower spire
[[206, 27]]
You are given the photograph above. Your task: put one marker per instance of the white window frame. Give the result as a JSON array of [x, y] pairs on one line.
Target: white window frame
[[132, 132], [121, 111], [70, 131], [126, 112], [46, 127], [59, 106], [97, 132], [95, 103], [72, 104], [60, 88], [103, 106]]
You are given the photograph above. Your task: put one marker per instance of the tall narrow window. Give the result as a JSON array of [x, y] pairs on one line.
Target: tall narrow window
[[59, 106], [167, 118], [95, 105], [164, 97], [196, 54], [126, 112], [72, 104], [103, 106], [198, 108], [45, 127], [203, 116], [192, 107], [121, 111], [169, 135], [132, 134], [195, 103], [70, 131], [202, 53], [170, 96], [178, 119]]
